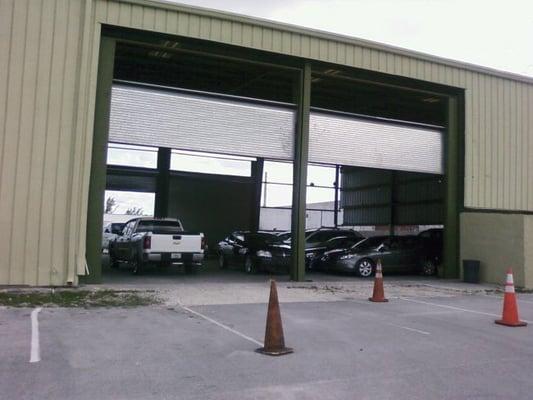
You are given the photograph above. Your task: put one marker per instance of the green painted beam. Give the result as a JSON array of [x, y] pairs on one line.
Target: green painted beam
[[336, 204], [453, 194], [163, 182], [301, 149], [257, 178], [95, 209]]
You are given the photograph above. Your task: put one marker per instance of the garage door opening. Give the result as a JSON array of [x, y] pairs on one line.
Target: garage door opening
[[197, 131], [233, 129], [386, 151]]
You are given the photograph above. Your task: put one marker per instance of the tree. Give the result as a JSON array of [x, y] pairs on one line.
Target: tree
[[134, 211], [110, 205]]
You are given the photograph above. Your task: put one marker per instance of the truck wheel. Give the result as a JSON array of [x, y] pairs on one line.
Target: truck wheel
[[189, 269], [137, 266], [222, 262]]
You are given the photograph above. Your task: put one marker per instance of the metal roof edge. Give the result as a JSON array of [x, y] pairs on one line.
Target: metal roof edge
[[320, 34]]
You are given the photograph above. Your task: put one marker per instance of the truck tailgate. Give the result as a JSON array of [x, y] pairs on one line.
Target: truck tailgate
[[176, 243]]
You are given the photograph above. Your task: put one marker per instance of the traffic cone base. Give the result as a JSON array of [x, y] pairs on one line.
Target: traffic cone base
[[510, 307], [513, 324], [285, 350], [378, 300], [274, 344]]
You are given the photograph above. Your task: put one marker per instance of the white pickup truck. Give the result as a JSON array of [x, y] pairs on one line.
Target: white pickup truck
[[145, 241]]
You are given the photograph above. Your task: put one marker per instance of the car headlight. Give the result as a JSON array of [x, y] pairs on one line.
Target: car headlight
[[264, 253], [347, 256], [310, 255]]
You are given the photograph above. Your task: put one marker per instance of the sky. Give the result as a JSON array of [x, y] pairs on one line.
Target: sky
[[496, 34]]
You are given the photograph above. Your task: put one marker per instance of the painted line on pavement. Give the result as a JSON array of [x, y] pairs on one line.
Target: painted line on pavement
[[221, 325], [409, 329], [35, 352], [383, 322], [455, 308]]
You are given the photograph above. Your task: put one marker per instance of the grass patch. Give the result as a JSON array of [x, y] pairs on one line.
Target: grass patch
[[77, 298]]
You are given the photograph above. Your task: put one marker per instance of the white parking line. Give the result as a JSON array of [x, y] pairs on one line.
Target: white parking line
[[35, 352], [409, 329], [455, 308], [383, 322], [242, 335]]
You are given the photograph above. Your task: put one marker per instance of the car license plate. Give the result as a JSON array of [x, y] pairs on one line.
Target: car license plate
[[175, 256]]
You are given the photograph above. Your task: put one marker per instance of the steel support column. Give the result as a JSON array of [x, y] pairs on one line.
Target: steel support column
[[257, 177], [392, 204], [301, 149], [336, 205], [163, 182], [453, 193], [95, 208]]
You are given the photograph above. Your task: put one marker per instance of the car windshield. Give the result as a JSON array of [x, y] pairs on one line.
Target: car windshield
[[258, 238], [368, 244], [284, 236], [159, 227]]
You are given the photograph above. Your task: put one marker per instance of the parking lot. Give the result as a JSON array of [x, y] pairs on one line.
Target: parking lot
[[433, 340]]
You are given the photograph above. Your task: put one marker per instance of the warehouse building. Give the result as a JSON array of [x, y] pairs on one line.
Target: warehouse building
[[414, 140]]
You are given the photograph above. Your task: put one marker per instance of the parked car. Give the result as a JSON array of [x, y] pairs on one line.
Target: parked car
[[432, 242], [397, 253], [111, 232], [254, 251], [145, 241], [317, 242]]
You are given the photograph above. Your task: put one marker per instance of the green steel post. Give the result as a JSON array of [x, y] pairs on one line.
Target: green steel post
[[451, 235], [163, 182], [257, 178], [301, 148], [336, 205], [97, 184], [392, 204]]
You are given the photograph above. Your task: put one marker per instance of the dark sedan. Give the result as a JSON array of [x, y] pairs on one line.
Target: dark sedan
[[397, 253], [255, 251], [321, 240], [318, 241]]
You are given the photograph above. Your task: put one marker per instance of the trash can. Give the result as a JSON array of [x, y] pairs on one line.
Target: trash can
[[471, 271]]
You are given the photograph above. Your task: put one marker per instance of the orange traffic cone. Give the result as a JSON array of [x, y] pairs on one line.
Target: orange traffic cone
[[274, 341], [510, 308], [379, 294]]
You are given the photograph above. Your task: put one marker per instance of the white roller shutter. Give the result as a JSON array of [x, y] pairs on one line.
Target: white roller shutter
[[344, 139], [196, 122]]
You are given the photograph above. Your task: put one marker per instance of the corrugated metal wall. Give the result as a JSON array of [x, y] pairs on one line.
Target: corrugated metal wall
[[48, 75], [39, 92]]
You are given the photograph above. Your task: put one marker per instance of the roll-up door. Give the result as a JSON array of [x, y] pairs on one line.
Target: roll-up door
[[200, 122], [337, 138]]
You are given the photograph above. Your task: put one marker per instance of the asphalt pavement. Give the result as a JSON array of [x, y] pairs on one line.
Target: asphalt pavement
[[410, 348]]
